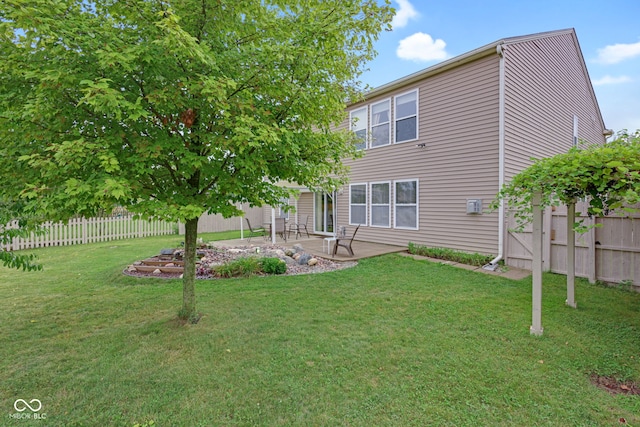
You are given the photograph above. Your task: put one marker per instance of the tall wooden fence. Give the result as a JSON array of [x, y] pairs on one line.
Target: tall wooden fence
[[89, 230], [216, 223], [610, 253]]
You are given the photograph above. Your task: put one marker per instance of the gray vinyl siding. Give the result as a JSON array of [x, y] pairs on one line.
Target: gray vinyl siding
[[305, 207], [458, 123], [545, 86]]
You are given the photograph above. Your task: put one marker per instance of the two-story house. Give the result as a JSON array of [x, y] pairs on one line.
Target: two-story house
[[438, 144]]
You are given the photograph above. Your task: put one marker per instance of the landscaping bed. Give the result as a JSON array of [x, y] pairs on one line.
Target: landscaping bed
[[169, 263]]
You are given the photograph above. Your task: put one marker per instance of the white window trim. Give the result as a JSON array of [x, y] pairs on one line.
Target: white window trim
[[417, 115], [417, 204], [366, 124], [371, 125], [365, 204], [575, 131], [371, 204]]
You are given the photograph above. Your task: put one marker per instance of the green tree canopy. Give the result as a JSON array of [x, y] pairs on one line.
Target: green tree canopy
[[174, 108], [606, 176]]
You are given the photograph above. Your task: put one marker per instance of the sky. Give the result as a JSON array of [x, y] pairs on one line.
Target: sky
[[426, 32]]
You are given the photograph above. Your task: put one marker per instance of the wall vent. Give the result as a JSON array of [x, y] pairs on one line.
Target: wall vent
[[474, 206]]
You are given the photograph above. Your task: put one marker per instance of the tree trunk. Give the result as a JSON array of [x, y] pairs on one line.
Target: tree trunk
[[188, 311]]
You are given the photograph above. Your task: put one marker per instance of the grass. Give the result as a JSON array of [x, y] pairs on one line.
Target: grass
[[392, 342]]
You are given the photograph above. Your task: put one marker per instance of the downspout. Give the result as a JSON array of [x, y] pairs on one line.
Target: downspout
[[493, 265]]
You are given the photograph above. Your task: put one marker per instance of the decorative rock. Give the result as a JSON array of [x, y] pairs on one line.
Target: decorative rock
[[138, 263], [279, 253], [304, 259], [181, 276], [312, 261], [166, 252], [288, 252], [236, 251], [170, 265], [296, 256], [157, 271], [131, 269], [298, 247]]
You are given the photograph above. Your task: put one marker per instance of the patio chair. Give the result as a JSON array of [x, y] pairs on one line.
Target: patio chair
[[254, 232], [281, 228], [345, 242], [299, 227]]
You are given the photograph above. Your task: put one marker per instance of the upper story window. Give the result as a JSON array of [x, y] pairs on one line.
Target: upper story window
[[358, 119], [381, 123], [406, 116]]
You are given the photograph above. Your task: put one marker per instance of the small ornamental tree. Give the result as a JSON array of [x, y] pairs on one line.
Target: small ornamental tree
[[606, 176], [174, 108]]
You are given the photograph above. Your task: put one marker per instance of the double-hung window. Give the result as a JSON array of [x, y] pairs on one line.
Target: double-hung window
[[406, 116], [381, 123], [358, 120], [406, 204], [358, 204], [380, 204]]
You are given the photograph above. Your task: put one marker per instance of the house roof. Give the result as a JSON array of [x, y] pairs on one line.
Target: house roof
[[488, 49]]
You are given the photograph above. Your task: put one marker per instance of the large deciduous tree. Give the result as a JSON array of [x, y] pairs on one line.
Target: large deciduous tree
[[175, 108]]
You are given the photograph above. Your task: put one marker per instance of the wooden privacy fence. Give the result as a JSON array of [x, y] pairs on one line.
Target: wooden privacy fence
[[610, 253], [89, 230], [215, 223]]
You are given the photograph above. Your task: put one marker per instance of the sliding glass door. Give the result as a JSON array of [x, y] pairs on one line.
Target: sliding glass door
[[323, 213]]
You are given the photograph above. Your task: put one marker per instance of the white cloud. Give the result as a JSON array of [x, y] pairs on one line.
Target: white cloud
[[615, 53], [609, 80], [421, 47], [403, 14]]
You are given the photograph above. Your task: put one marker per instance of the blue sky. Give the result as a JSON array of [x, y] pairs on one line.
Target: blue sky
[[426, 32]]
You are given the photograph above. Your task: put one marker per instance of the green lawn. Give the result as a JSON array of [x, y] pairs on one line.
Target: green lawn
[[391, 342]]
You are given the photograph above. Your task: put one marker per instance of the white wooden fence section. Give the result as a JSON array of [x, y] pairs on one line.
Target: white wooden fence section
[[610, 253], [89, 230]]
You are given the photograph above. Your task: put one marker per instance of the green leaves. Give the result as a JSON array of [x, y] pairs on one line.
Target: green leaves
[[174, 108], [607, 176]]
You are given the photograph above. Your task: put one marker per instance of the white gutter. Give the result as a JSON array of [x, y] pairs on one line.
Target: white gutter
[[501, 148]]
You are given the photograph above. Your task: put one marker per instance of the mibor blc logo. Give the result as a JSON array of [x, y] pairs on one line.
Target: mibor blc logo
[[21, 405], [33, 405]]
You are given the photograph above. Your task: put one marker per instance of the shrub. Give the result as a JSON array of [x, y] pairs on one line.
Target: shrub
[[450, 255], [241, 267], [273, 265]]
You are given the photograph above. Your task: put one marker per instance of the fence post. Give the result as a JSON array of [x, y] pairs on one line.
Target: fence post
[[536, 277]]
